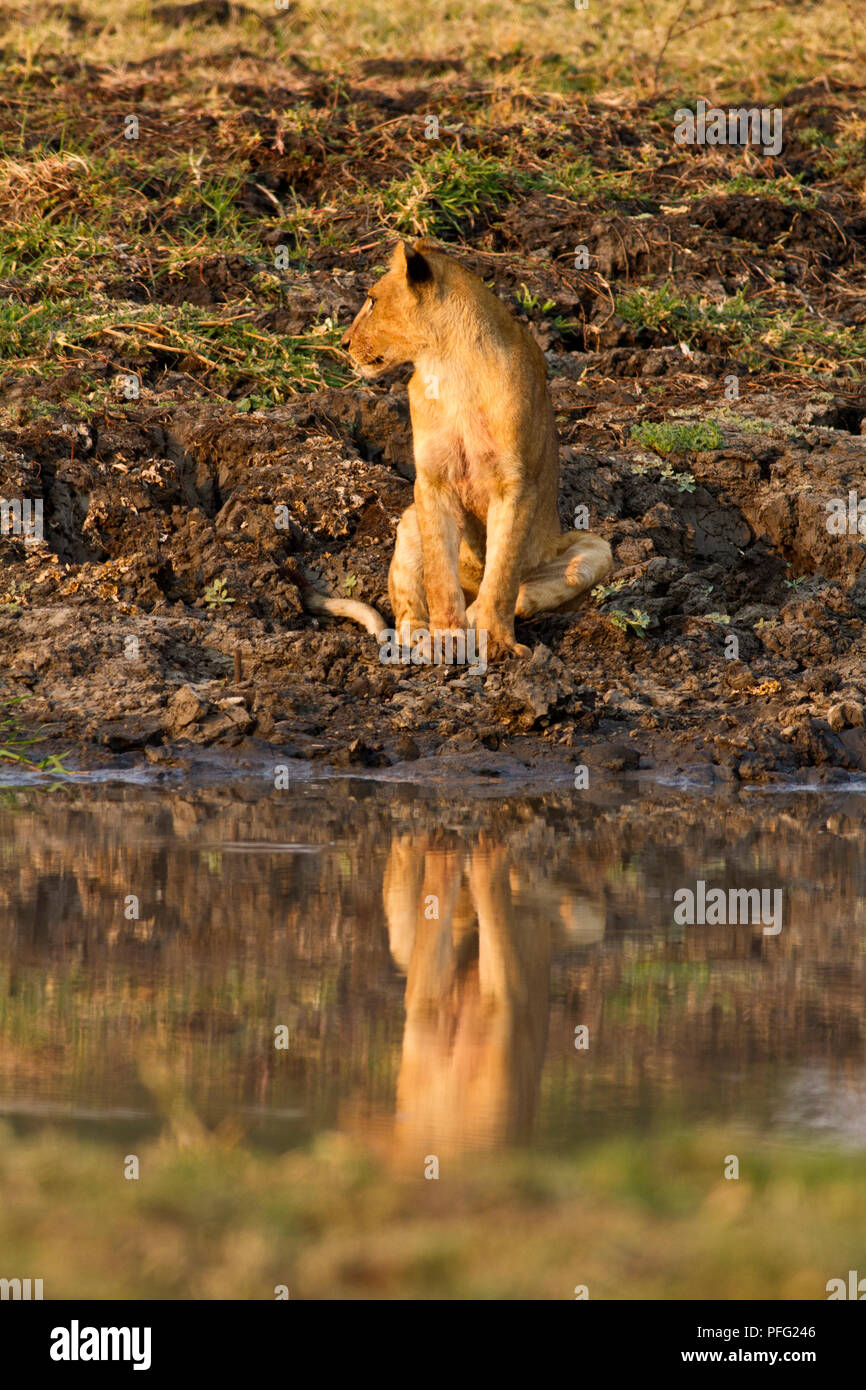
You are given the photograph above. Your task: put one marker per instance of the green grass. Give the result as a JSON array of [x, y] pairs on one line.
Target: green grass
[[449, 189], [643, 1218], [668, 437], [747, 326], [666, 310], [445, 191], [233, 354], [85, 221], [96, 221], [88, 204], [787, 188], [841, 154], [582, 181], [648, 50], [14, 739]]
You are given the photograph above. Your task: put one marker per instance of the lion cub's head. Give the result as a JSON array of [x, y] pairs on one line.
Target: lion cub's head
[[394, 324]]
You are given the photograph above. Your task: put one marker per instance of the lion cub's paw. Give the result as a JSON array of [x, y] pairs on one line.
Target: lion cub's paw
[[500, 636], [449, 644]]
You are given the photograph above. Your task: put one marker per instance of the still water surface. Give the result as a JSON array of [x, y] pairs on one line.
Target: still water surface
[[428, 958]]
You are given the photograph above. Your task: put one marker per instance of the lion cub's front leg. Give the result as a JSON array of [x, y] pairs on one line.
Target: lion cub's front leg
[[440, 548], [509, 521]]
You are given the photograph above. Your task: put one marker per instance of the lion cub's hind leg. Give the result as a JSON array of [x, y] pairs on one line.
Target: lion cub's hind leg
[[578, 562]]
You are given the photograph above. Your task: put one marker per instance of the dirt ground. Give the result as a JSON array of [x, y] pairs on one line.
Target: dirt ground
[[721, 300]]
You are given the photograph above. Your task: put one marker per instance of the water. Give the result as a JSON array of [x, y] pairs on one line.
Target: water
[[427, 955]]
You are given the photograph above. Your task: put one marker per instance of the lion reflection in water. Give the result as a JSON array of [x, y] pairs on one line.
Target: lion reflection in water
[[477, 989]]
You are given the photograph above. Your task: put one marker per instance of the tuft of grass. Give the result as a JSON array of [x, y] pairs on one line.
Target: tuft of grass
[[666, 310], [667, 437], [581, 181], [747, 325], [446, 190], [14, 743], [785, 188], [842, 155], [227, 348]]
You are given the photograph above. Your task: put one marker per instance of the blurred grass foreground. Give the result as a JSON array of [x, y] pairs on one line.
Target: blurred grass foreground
[[208, 1219]]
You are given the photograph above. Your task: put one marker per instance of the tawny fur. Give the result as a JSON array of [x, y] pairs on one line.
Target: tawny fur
[[484, 528], [362, 613], [316, 602], [477, 991]]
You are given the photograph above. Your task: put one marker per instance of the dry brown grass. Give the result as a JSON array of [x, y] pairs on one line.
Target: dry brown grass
[[715, 49]]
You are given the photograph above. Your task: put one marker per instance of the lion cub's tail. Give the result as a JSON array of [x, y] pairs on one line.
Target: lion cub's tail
[[363, 613], [589, 561]]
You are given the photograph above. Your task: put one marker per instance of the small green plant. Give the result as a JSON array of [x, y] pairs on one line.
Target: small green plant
[[14, 598], [528, 300], [721, 618], [685, 482], [601, 592], [350, 584], [216, 595], [638, 622], [795, 583]]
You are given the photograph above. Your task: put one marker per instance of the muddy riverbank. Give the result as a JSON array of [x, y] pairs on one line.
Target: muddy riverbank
[[744, 660]]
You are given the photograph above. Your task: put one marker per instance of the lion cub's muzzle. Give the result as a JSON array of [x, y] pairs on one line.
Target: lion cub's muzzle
[[364, 366]]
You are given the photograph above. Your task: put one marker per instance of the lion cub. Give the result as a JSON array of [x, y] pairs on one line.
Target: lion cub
[[484, 528]]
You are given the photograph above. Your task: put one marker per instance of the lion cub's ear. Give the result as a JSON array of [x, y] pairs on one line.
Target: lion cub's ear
[[413, 264]]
